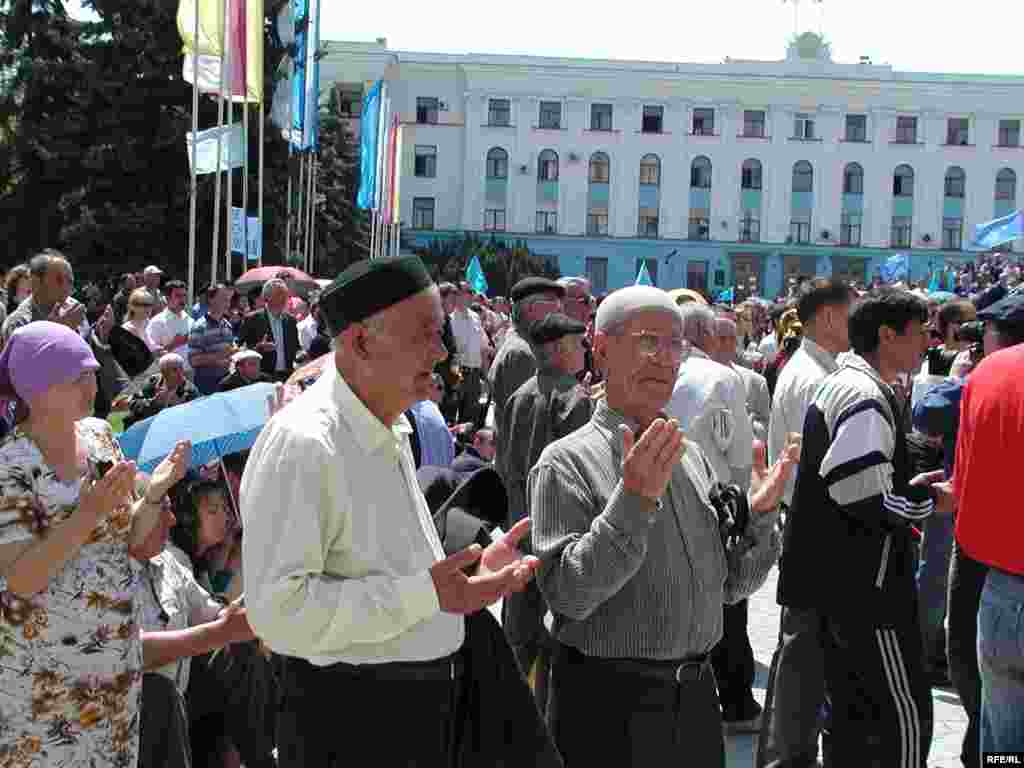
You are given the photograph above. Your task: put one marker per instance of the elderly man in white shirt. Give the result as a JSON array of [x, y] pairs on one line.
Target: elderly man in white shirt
[[345, 573], [470, 344], [755, 388], [796, 686], [169, 329]]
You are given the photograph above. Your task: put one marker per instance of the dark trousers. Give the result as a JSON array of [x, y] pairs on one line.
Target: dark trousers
[[733, 662], [796, 690], [601, 714], [163, 733], [523, 621], [469, 395], [343, 715], [881, 700], [966, 581]]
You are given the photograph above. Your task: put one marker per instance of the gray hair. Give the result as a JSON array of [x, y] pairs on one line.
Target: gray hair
[[271, 285], [698, 322], [41, 263]]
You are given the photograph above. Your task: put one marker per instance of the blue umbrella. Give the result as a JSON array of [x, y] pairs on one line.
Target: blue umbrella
[[218, 426]]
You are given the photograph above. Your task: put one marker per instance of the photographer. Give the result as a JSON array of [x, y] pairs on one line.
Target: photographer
[[937, 414], [950, 320]]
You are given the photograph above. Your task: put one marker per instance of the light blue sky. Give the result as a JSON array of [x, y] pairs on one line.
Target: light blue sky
[[981, 36]]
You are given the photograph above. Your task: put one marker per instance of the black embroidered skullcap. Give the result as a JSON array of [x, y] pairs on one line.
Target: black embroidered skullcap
[[554, 327], [369, 286], [528, 286]]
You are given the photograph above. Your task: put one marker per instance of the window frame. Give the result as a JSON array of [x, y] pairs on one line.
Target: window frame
[[594, 222], [548, 217], [544, 165], [598, 109], [907, 229], [431, 167], [954, 137], [1004, 134], [493, 214], [847, 176], [492, 111], [901, 135], [912, 177], [847, 136], [657, 113], [541, 123], [646, 163], [749, 230], [847, 228], [803, 126], [696, 170], [696, 224], [810, 175], [650, 221], [418, 211], [958, 185], [424, 110], [607, 169], [952, 239], [800, 231], [489, 160], [1013, 188], [749, 126], [744, 170], [703, 114]]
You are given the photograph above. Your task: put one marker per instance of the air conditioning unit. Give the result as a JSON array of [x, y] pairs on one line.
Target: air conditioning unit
[[825, 234], [442, 106], [524, 169], [926, 238]]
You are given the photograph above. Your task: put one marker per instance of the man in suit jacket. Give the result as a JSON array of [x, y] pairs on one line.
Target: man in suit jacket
[[272, 332]]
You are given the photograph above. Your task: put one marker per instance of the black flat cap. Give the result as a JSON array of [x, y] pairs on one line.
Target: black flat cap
[[554, 327], [1008, 310], [369, 286], [528, 286]]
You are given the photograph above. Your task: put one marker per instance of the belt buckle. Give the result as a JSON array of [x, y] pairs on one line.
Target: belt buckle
[[689, 672]]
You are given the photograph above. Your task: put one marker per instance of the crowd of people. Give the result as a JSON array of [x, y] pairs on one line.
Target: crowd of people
[[509, 529]]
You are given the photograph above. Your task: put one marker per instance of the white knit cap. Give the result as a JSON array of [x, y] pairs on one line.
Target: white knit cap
[[246, 354], [620, 305]]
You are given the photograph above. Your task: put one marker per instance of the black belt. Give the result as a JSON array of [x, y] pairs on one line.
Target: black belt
[[449, 668], [680, 672]]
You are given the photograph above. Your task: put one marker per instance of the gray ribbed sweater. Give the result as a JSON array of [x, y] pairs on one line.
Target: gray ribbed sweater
[[623, 580]]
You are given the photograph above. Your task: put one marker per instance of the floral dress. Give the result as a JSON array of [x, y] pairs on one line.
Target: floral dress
[[70, 656]]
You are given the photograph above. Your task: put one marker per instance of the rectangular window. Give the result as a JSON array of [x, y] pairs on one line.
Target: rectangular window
[[649, 173], [423, 213], [906, 130], [750, 177], [652, 119], [753, 123], [652, 268], [1009, 133], [597, 274], [800, 229], [957, 131], [497, 165], [952, 234], [903, 185], [954, 185], [597, 223], [849, 229], [899, 236], [1006, 187], [599, 170], [499, 112], [550, 115], [853, 183], [426, 161], [803, 127], [426, 109], [600, 117], [494, 219], [647, 225], [699, 228], [350, 103], [750, 230], [547, 221], [703, 122], [856, 127]]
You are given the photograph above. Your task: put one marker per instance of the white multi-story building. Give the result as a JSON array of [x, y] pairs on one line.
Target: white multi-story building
[[738, 174]]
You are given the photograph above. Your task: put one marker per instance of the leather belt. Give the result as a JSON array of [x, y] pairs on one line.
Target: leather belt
[[679, 672]]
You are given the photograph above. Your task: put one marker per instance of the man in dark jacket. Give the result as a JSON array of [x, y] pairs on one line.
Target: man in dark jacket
[[549, 406], [848, 547], [247, 371], [273, 332]]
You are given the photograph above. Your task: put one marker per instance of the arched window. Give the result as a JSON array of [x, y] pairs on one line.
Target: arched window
[[903, 181], [547, 166], [650, 170], [1006, 185], [751, 174], [853, 179], [600, 168], [803, 177], [956, 182], [700, 173], [497, 164]]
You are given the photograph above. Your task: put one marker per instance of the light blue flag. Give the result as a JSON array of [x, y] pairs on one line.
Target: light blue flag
[[728, 295], [642, 277], [895, 268], [475, 276], [935, 283], [300, 12], [369, 138], [253, 238], [237, 230], [998, 232]]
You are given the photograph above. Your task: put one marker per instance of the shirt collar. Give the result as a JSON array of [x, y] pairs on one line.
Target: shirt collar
[[819, 354], [855, 361], [608, 420], [369, 431]]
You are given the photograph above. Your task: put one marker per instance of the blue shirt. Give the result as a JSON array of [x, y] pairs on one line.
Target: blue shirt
[[437, 446], [207, 336]]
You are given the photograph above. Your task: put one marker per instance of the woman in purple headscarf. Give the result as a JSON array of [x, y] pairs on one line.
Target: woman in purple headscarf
[[70, 650]]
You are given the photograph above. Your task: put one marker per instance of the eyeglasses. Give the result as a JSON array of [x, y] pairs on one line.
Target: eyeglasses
[[651, 345]]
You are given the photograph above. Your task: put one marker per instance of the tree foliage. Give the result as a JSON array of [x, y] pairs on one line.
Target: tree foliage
[[504, 265]]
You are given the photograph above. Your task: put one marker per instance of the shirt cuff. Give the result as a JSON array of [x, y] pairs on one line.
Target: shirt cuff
[[631, 513], [418, 596]]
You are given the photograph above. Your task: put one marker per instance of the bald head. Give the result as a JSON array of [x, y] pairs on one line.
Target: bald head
[[624, 303]]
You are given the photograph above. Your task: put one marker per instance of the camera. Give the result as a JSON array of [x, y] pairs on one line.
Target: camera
[[973, 333]]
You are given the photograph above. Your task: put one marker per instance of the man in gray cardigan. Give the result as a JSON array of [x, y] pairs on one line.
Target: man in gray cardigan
[[633, 564]]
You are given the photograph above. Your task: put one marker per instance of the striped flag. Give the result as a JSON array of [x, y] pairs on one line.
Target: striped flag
[[306, 75], [203, 58]]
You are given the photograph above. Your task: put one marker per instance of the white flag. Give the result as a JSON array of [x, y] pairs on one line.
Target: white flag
[[254, 237], [237, 230], [231, 149]]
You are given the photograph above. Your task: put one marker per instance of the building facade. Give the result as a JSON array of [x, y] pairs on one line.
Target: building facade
[[744, 174]]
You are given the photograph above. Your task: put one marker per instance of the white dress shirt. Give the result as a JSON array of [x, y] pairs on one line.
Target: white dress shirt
[[277, 330], [794, 391], [469, 338], [710, 402], [338, 538], [307, 332], [165, 326]]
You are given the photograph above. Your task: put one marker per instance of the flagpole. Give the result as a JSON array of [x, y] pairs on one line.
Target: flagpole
[[291, 172], [302, 198], [312, 253], [220, 145], [195, 146], [259, 192], [310, 204], [231, 121], [245, 175]]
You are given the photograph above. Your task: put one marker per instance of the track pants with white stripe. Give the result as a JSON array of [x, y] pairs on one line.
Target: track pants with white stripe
[[881, 698]]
